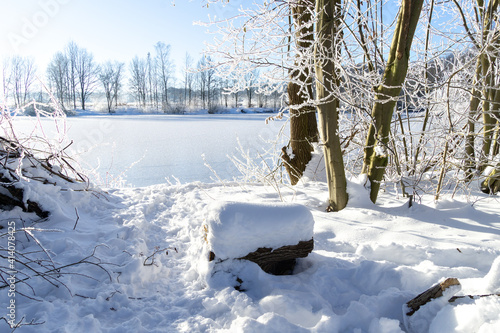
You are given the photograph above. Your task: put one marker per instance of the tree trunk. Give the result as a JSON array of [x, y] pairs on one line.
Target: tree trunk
[[303, 125], [376, 151], [326, 52], [488, 119], [475, 99], [491, 185]]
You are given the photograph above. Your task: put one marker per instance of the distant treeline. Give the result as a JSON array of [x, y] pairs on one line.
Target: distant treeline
[[74, 80]]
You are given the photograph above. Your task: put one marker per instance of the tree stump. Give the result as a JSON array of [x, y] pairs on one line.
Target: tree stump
[[271, 235]]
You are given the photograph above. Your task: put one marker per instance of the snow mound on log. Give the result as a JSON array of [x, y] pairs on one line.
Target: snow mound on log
[[236, 229]]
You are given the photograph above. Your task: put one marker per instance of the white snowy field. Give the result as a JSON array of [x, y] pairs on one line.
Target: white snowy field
[[150, 269]]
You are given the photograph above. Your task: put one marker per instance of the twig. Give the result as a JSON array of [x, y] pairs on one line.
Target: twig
[[152, 258], [77, 218]]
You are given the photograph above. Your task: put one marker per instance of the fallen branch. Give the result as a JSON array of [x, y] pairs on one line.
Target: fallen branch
[[434, 292], [455, 298]]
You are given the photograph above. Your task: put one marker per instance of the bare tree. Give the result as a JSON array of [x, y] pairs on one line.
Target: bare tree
[[251, 81], [23, 73], [201, 78], [138, 73], [235, 95], [118, 78], [72, 52], [6, 80], [57, 71], [401, 119], [151, 79], [188, 78], [165, 69], [110, 77], [482, 31], [211, 83], [87, 72]]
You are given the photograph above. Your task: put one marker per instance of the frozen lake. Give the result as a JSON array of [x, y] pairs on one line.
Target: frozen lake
[[144, 150]]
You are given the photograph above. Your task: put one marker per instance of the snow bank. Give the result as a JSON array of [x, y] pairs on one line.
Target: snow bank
[[236, 229]]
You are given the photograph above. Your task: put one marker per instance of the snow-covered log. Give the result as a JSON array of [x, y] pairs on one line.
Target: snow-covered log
[[22, 166], [271, 235]]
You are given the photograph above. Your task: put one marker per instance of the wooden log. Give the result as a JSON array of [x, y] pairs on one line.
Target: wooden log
[[280, 261], [434, 292]]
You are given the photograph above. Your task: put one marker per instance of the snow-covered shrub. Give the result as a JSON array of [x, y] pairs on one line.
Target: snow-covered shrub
[[36, 174], [175, 109]]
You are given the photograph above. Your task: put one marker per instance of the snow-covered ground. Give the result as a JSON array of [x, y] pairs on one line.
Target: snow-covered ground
[[150, 271]]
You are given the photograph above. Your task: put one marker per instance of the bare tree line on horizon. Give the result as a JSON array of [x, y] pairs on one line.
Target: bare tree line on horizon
[[73, 80]]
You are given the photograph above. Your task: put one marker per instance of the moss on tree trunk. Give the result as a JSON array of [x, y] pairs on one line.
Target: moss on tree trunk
[[375, 158]]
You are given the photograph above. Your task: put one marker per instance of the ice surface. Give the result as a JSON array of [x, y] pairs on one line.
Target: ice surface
[[143, 150]]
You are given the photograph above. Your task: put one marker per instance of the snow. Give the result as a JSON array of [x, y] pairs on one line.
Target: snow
[[236, 229], [146, 267]]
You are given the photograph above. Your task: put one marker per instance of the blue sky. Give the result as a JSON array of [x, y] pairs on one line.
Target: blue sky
[[110, 29], [113, 29]]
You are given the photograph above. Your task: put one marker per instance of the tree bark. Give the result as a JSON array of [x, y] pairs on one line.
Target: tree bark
[[376, 147], [485, 75], [280, 261], [491, 185], [475, 99], [303, 125], [326, 53]]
